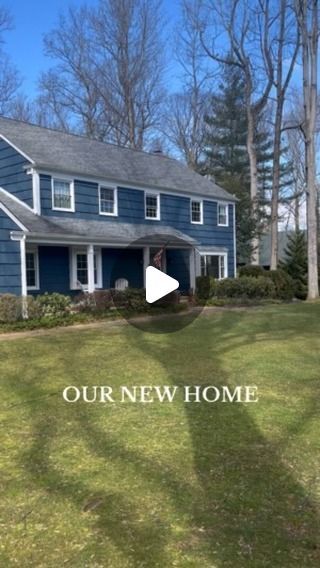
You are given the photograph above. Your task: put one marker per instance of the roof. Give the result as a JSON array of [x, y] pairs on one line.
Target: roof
[[100, 231], [53, 150]]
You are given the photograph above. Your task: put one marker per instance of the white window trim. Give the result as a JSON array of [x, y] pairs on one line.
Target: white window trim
[[219, 203], [225, 255], [115, 193], [35, 251], [71, 183], [154, 194], [201, 211], [73, 267]]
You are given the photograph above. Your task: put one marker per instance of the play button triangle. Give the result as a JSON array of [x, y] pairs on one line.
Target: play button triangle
[[158, 284]]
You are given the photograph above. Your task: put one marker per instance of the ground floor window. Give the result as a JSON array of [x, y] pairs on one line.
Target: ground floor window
[[214, 265], [80, 269], [32, 269]]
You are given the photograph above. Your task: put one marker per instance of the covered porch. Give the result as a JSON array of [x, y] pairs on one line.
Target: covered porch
[[70, 266]]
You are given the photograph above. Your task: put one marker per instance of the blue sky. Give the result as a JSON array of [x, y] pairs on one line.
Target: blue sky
[[32, 19]]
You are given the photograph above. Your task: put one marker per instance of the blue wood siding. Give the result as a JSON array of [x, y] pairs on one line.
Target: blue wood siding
[[54, 269], [13, 177], [175, 212], [178, 267], [120, 263], [10, 265]]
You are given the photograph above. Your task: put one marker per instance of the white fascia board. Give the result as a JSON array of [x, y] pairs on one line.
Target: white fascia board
[[17, 149], [16, 199], [13, 218]]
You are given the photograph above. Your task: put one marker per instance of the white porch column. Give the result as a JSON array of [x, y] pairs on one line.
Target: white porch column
[[146, 262], [192, 269], [90, 256], [24, 290]]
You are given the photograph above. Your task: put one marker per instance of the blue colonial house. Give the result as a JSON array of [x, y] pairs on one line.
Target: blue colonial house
[[78, 213]]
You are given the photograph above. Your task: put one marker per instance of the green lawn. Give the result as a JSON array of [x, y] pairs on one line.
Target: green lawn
[[181, 485]]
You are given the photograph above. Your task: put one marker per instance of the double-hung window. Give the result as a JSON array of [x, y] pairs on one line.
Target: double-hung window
[[196, 211], [152, 206], [62, 194], [108, 200], [214, 265], [223, 214], [32, 269]]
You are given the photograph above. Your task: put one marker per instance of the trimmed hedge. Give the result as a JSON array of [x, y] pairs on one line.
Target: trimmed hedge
[[245, 287], [251, 270]]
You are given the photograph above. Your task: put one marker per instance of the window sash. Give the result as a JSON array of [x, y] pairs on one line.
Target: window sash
[[213, 265], [62, 194], [107, 200], [31, 269], [222, 214], [196, 211], [152, 206], [82, 268]]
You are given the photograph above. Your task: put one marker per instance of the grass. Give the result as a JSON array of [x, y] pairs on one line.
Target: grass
[[164, 485]]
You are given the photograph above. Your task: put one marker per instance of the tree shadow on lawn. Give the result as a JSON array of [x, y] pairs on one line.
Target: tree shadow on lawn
[[249, 511], [253, 512]]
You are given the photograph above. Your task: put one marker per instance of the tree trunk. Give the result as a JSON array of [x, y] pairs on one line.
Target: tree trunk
[[253, 179], [309, 64], [275, 187]]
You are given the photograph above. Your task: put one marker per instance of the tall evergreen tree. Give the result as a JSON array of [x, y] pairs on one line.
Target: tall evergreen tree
[[226, 153], [295, 263], [227, 157]]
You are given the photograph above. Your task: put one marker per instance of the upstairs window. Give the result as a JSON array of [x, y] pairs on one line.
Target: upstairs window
[[196, 212], [108, 200], [223, 214], [152, 206], [62, 194]]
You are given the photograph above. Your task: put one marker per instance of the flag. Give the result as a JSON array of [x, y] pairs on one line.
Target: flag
[[157, 259]]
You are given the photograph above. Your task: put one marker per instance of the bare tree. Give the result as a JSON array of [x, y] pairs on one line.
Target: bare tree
[[247, 26], [288, 46], [9, 76], [129, 66], [107, 81], [308, 18], [185, 112]]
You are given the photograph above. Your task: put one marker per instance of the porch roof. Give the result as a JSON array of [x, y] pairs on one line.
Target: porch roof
[[67, 229]]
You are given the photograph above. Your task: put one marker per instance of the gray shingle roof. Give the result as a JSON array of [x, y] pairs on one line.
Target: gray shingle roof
[[77, 155], [83, 230]]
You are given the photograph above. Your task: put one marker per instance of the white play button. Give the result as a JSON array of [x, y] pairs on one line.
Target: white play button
[[158, 284]]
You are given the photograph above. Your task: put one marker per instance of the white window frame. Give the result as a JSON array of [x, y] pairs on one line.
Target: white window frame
[[70, 181], [153, 194], [115, 198], [34, 250], [226, 205], [225, 255], [74, 285], [201, 211]]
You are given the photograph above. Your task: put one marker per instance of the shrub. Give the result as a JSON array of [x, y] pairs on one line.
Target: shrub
[[130, 299], [251, 270], [284, 284], [245, 287], [171, 299], [205, 287], [10, 308], [53, 304], [98, 302]]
